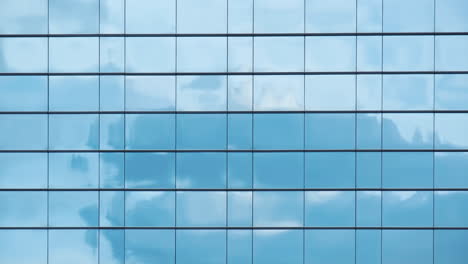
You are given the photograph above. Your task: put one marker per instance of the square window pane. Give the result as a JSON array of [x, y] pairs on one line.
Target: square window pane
[[111, 209], [112, 16], [111, 170], [112, 89], [240, 93], [23, 93], [149, 246], [150, 54], [79, 132], [408, 92], [369, 15], [278, 131], [80, 54], [369, 53], [407, 208], [191, 204], [23, 55], [73, 93], [240, 131], [278, 170], [278, 92], [330, 131], [326, 17], [24, 17], [73, 17], [240, 14], [240, 170], [148, 16], [407, 131], [211, 17], [201, 93], [111, 52], [23, 209], [23, 170], [279, 54], [408, 53], [268, 14], [368, 169], [273, 247], [278, 209], [451, 92], [368, 208], [451, 170], [73, 170], [79, 245], [150, 170], [330, 246], [407, 169], [330, 53], [330, 92], [450, 53], [369, 92], [111, 131], [239, 209], [201, 246], [368, 246], [78, 209], [150, 209], [202, 54], [369, 131], [451, 209], [450, 131], [330, 208], [451, 16], [23, 132], [201, 131], [450, 246], [150, 131], [408, 16], [407, 246], [239, 245], [201, 170], [240, 54], [322, 172], [13, 243], [150, 93]]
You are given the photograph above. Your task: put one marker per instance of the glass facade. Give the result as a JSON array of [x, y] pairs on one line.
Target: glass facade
[[234, 131]]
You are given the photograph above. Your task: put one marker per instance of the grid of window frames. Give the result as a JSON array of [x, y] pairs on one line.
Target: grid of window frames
[[234, 131]]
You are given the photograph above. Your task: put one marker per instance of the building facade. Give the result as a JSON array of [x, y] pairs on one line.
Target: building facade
[[234, 131]]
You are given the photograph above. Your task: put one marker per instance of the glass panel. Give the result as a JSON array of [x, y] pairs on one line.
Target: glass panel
[[112, 93], [407, 169], [408, 16], [330, 131], [369, 131], [73, 93], [79, 132], [149, 246], [150, 131], [111, 17], [207, 18], [407, 131], [111, 209], [408, 53], [239, 209], [239, 247], [326, 17], [150, 209], [450, 246], [111, 170], [77, 209], [278, 131], [407, 209], [369, 92], [279, 92], [150, 54], [278, 170], [111, 52], [111, 246], [330, 92], [322, 172], [407, 246], [368, 169], [451, 92], [369, 53], [23, 132], [330, 246], [150, 170], [201, 170], [240, 14], [369, 15], [450, 53], [201, 246], [201, 131], [278, 246], [148, 16], [451, 16], [190, 206], [23, 93], [23, 170], [330, 53], [408, 92], [13, 243], [240, 54], [23, 54], [451, 170], [269, 13], [240, 131], [111, 131], [279, 54], [202, 54], [24, 17], [451, 208], [81, 246], [450, 131], [278, 209], [330, 208], [150, 93], [201, 93], [368, 207], [73, 17], [368, 246], [240, 93], [23, 209], [73, 170], [79, 54], [240, 170]]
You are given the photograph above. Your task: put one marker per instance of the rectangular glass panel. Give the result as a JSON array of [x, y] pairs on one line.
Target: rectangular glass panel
[[451, 92], [23, 132], [111, 209], [201, 54], [13, 243], [78, 54], [369, 131], [150, 93], [369, 53], [71, 16], [73, 209], [408, 16], [407, 169], [368, 169], [73, 93], [240, 131], [407, 208], [150, 54], [23, 55], [369, 15], [451, 170], [240, 16], [368, 246], [450, 130], [330, 246], [278, 209], [23, 170], [327, 17], [322, 172], [111, 246], [150, 246], [73, 170], [201, 246], [239, 209], [240, 93], [111, 133], [239, 245], [150, 170], [330, 208], [23, 209], [211, 17], [408, 131], [408, 92], [23, 93], [111, 16], [149, 131], [191, 204], [77, 132], [369, 92], [24, 17], [201, 93], [451, 16], [201, 170], [268, 14], [279, 54], [450, 53], [451, 208], [330, 53], [149, 16], [273, 247], [368, 208], [408, 53], [111, 170], [145, 208], [240, 52], [450, 246], [330, 92], [79, 245], [407, 246], [111, 52], [278, 170], [201, 131], [240, 170], [330, 131], [278, 92], [112, 89], [278, 131]]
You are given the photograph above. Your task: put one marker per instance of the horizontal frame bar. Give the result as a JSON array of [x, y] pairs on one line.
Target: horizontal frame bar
[[234, 228], [225, 189], [240, 112], [228, 150]]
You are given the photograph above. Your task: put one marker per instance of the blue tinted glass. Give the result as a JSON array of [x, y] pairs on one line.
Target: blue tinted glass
[[111, 52], [201, 246], [240, 16], [330, 131], [240, 170], [407, 131], [73, 16], [407, 208], [369, 53], [327, 17], [150, 170], [368, 169], [368, 208], [408, 92], [369, 92], [330, 246], [147, 16], [78, 132], [450, 131], [408, 53], [23, 132], [73, 170], [111, 16], [408, 16], [278, 209], [149, 246], [240, 131], [73, 208], [111, 170], [451, 208], [369, 15], [450, 55], [190, 206], [13, 243], [150, 54], [201, 170], [23, 170], [73, 93], [369, 131], [330, 53], [277, 247], [201, 54], [330, 208], [111, 246], [239, 209], [23, 55], [149, 208], [278, 131], [111, 208], [150, 93], [279, 54], [240, 54], [278, 170], [450, 246], [322, 172], [407, 246], [207, 18], [23, 209], [24, 17], [451, 15], [111, 131], [23, 93], [330, 92], [112, 93], [80, 54], [407, 169], [451, 92], [269, 13], [278, 92], [368, 246], [240, 93], [239, 245], [201, 131], [149, 131], [451, 170], [79, 245], [201, 93]]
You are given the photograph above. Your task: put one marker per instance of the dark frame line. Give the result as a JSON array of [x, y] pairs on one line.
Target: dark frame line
[[226, 150], [234, 228], [241, 112], [228, 189]]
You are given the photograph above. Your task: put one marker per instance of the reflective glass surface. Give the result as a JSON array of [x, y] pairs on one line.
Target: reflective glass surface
[[147, 246], [451, 208], [330, 92], [449, 53], [201, 93], [407, 208], [73, 16], [24, 17], [278, 209], [80, 54], [150, 170], [407, 246], [149, 16], [408, 53], [278, 93], [279, 54], [149, 131], [207, 18], [330, 131], [150, 93], [23, 132], [73, 170], [201, 131], [23, 93], [321, 172], [450, 131], [150, 54], [404, 16], [201, 209], [333, 53], [407, 170], [80, 132], [23, 209], [330, 246], [73, 208], [201, 246], [201, 170], [408, 131], [278, 170], [271, 246], [79, 245], [200, 54], [23, 55], [278, 131], [329, 208], [73, 93], [149, 208], [14, 241], [330, 16]]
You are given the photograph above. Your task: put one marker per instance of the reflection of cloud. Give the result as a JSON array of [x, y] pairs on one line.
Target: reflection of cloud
[[150, 92], [201, 93], [279, 93], [13, 243], [201, 208], [321, 197], [73, 246], [135, 198], [451, 130], [23, 55], [240, 93], [15, 18], [404, 195]]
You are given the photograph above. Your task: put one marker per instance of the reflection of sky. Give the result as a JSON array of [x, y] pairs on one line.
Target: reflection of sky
[[409, 16], [149, 16], [408, 53], [23, 170], [268, 13], [276, 54], [23, 93], [451, 209], [451, 53], [407, 208], [73, 16], [201, 93], [201, 54], [330, 16], [73, 246], [278, 93], [73, 170], [23, 209], [271, 246], [450, 169], [23, 17], [73, 208], [330, 53], [451, 16], [74, 54], [278, 209], [23, 55], [407, 246]]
